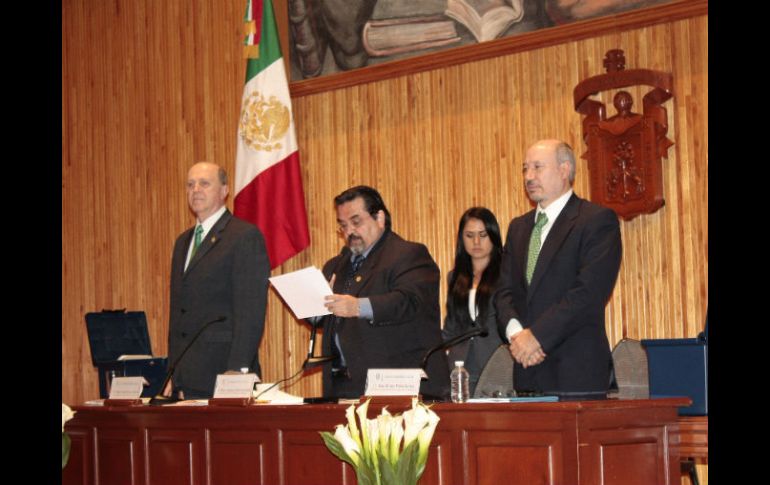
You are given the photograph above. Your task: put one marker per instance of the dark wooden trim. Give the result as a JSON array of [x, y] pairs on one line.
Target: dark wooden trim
[[634, 19]]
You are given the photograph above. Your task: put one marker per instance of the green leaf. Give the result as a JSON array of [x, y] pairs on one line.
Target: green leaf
[[365, 475], [406, 468], [388, 472], [65, 449], [336, 448]]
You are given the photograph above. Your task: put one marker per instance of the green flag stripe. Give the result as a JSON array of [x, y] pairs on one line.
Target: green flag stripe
[[269, 47]]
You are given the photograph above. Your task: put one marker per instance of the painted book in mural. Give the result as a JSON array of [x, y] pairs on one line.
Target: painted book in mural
[[395, 36], [485, 19]]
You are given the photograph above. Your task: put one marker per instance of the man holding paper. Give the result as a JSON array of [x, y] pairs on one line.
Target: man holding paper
[[385, 306]]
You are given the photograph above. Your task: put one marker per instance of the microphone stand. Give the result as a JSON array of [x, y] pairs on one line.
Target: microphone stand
[[311, 360], [476, 332], [161, 400]]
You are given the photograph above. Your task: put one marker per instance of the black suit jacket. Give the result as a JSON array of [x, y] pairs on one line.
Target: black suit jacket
[[477, 351], [401, 280], [227, 277], [564, 305]]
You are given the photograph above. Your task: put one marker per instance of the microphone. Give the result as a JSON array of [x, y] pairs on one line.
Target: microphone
[[476, 332], [160, 399]]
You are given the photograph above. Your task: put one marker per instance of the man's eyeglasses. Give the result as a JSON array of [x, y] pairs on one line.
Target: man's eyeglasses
[[355, 222]]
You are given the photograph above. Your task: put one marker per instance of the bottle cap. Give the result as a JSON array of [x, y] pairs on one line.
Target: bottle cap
[[459, 363]]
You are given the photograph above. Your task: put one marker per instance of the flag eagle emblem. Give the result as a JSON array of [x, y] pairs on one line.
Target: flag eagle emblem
[[264, 122]]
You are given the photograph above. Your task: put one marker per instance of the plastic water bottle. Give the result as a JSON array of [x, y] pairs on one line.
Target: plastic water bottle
[[460, 384]]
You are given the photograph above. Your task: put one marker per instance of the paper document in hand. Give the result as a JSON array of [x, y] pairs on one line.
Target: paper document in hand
[[304, 291]]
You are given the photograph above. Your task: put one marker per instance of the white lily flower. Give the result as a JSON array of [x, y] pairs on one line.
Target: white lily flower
[[66, 415], [364, 428], [342, 435], [365, 441], [414, 421], [396, 433], [383, 423], [374, 434], [352, 426], [425, 436], [384, 437]]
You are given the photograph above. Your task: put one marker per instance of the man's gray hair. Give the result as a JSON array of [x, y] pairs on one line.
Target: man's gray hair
[[564, 153]]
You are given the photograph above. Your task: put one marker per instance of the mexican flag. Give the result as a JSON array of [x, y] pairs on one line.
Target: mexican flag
[[268, 180]]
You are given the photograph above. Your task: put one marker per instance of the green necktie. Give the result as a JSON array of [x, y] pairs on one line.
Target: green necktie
[[534, 244], [198, 237]]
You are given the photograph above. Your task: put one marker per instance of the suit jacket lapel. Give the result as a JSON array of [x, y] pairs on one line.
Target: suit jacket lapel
[[181, 252], [521, 245], [212, 238], [562, 226]]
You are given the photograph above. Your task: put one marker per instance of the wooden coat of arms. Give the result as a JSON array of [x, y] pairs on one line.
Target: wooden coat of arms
[[625, 150]]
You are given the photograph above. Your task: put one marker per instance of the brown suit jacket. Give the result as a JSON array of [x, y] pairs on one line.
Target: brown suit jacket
[[402, 282]]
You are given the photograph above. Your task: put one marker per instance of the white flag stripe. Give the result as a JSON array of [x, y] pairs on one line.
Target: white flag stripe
[[273, 76]]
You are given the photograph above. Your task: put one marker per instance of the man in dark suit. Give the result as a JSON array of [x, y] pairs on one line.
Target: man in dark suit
[[556, 278], [385, 307], [219, 268]]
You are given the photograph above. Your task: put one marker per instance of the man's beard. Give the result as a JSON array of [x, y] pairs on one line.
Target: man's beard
[[356, 244]]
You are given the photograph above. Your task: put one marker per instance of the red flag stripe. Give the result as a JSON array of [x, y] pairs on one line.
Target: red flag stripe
[[270, 202], [256, 16]]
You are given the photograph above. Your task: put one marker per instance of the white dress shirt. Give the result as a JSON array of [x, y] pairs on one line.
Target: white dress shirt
[[207, 225]]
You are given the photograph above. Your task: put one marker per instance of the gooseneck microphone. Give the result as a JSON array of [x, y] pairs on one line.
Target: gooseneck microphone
[[160, 399], [476, 332]]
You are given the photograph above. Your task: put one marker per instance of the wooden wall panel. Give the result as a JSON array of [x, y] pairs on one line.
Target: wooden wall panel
[[148, 88]]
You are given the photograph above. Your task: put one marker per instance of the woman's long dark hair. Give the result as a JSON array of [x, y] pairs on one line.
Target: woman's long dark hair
[[461, 281]]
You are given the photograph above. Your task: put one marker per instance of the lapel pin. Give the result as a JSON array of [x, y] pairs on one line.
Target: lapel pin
[[358, 278]]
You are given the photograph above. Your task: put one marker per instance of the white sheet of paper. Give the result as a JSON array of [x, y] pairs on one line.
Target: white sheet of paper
[[274, 395], [393, 382], [304, 291], [234, 385], [127, 387]]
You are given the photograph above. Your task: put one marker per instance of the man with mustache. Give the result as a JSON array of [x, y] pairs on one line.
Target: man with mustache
[[219, 268], [385, 306], [560, 264]]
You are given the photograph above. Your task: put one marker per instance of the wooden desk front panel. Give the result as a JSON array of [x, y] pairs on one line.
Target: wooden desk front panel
[[553, 443], [526, 448], [618, 448]]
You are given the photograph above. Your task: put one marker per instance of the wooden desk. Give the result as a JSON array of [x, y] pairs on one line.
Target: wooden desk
[[584, 442], [694, 437]]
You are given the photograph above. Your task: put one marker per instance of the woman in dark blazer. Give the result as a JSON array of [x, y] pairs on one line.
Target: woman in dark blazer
[[472, 283]]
